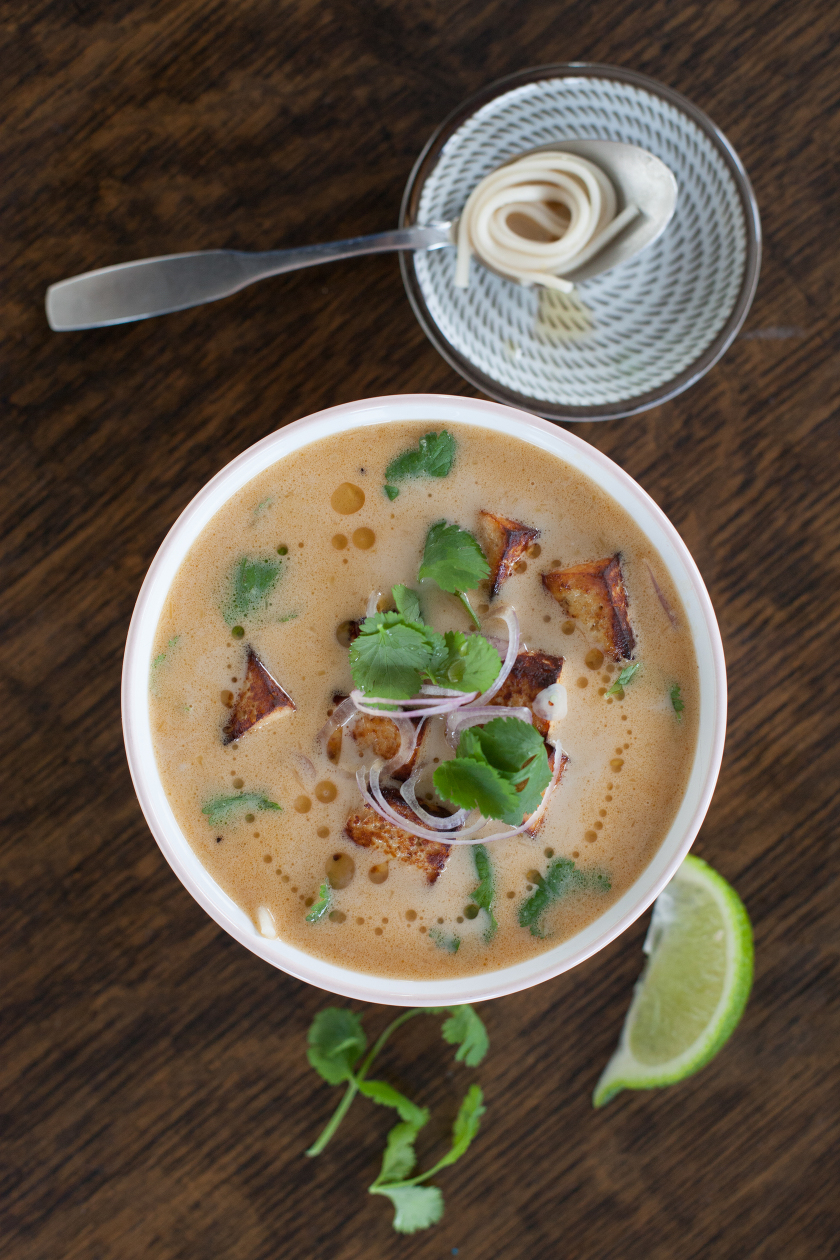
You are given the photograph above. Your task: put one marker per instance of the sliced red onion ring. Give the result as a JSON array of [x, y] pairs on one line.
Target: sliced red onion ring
[[474, 716], [303, 769], [431, 689], [423, 706], [508, 615], [552, 703], [373, 603], [467, 835], [409, 795], [340, 716], [408, 742]]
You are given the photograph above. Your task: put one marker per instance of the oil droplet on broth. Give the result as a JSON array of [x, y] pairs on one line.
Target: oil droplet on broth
[[363, 538], [378, 873], [594, 659], [339, 541], [347, 499], [303, 804], [340, 870], [326, 791]]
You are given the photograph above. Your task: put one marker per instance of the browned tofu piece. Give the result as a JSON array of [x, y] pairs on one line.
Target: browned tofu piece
[[261, 697], [378, 734], [532, 672], [594, 595], [505, 543], [367, 828]]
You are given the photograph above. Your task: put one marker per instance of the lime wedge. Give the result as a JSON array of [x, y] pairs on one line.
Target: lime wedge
[[693, 989]]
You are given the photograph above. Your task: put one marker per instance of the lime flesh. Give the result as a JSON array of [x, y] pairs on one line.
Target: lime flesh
[[693, 989]]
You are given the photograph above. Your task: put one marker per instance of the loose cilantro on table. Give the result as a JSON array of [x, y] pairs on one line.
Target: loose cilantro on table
[[433, 457], [677, 701], [617, 689], [453, 559], [484, 896], [562, 877], [221, 809], [337, 1044], [500, 768], [251, 584], [322, 904]]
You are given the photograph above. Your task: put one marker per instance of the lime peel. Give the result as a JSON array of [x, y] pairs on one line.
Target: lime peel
[[694, 987]]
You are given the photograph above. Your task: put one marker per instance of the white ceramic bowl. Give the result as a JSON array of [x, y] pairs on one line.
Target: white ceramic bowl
[[436, 409]]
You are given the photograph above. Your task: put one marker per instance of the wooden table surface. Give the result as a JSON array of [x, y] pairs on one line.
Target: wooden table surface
[[156, 1099]]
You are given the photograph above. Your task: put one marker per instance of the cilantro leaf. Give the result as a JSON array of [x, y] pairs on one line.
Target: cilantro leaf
[[388, 657], [381, 1092], [476, 785], [561, 877], [465, 1128], [466, 1030], [433, 458], [399, 1157], [417, 1207], [617, 689], [321, 906], [471, 663], [251, 584], [408, 605], [484, 895], [391, 491], [677, 701], [221, 809], [501, 768], [453, 559], [450, 943], [336, 1042]]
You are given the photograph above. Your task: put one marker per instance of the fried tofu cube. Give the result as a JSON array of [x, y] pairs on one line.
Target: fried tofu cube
[[369, 829], [379, 735], [594, 594], [260, 698], [505, 543], [532, 672]]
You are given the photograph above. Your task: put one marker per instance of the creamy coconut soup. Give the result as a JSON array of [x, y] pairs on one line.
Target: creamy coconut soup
[[259, 749]]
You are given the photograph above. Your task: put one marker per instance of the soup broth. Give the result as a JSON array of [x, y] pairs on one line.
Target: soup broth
[[279, 572]]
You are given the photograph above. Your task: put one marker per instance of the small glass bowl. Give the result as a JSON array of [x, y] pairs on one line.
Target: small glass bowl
[[626, 340]]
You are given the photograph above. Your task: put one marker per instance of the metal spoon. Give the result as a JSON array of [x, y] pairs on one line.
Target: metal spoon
[[156, 286]]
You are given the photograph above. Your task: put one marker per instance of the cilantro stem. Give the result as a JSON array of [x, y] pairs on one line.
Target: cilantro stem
[[468, 607], [356, 1080]]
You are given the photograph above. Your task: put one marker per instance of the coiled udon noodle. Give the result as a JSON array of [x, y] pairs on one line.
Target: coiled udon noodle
[[565, 201]]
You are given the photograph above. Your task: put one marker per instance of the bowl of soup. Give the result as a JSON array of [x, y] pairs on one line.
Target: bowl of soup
[[254, 770]]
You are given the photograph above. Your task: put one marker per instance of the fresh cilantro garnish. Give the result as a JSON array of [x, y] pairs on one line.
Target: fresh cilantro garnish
[[450, 943], [561, 877], [391, 491], [432, 458], [677, 701], [251, 584], [471, 663], [484, 895], [222, 808], [321, 906], [408, 605], [418, 1207], [454, 560], [337, 1044], [617, 689], [388, 657], [159, 660], [501, 768]]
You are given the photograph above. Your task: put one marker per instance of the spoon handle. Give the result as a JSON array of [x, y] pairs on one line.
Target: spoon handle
[[155, 286]]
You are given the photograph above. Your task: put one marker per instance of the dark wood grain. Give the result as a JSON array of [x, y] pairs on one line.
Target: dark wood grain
[[156, 1098]]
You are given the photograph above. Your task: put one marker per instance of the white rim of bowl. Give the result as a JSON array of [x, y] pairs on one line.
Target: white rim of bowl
[[413, 408]]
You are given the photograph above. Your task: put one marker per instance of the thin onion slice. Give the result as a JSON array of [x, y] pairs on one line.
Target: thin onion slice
[[552, 703], [508, 615], [424, 706], [408, 733], [409, 795], [340, 716]]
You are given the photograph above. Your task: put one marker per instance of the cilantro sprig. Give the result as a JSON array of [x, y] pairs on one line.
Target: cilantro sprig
[[250, 586], [617, 689], [677, 701], [222, 809], [561, 878], [322, 904], [501, 769], [395, 652], [484, 896], [337, 1045], [453, 559], [433, 457]]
